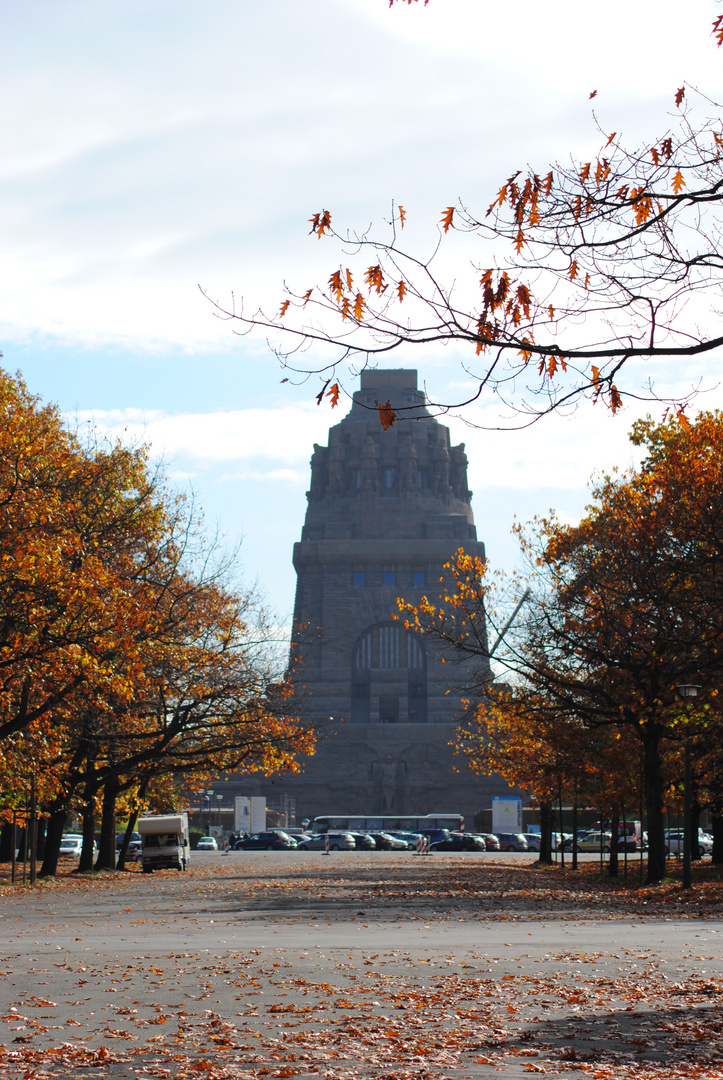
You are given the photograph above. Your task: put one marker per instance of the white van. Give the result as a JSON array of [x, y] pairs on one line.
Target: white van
[[164, 840]]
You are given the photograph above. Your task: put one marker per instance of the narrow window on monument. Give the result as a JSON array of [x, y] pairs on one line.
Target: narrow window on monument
[[388, 577], [388, 710], [419, 479], [357, 479], [388, 479], [358, 578], [419, 581], [417, 697], [360, 703]]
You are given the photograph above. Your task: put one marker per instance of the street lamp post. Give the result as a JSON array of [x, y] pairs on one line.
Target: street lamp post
[[219, 800], [688, 691], [209, 807]]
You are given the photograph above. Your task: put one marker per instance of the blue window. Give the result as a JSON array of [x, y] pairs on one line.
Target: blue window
[[358, 578], [419, 579], [388, 478], [388, 577]]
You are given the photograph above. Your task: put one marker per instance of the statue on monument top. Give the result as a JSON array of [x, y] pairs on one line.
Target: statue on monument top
[[317, 470]]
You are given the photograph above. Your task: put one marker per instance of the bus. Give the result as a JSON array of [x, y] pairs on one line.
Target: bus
[[387, 822]]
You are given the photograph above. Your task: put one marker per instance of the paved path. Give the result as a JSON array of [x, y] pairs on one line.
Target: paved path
[[281, 964]]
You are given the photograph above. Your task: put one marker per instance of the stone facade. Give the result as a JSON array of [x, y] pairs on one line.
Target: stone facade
[[386, 510]]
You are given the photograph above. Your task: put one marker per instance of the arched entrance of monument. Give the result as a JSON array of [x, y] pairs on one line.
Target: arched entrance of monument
[[388, 677]]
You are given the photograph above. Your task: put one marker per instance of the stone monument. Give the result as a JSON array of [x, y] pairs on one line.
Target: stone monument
[[386, 510]]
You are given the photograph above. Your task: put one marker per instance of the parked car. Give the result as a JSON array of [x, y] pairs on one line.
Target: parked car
[[121, 836], [364, 841], [435, 834], [275, 840], [594, 841], [134, 851], [409, 838], [512, 841], [674, 842], [492, 841], [457, 841], [71, 846], [338, 841], [387, 842], [207, 843], [624, 843], [534, 840]]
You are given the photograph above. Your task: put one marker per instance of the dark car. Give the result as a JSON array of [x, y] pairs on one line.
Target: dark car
[[435, 835], [364, 841], [387, 842], [460, 842], [120, 837], [276, 840], [512, 841]]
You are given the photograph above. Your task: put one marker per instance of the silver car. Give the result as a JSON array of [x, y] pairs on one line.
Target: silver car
[[338, 841]]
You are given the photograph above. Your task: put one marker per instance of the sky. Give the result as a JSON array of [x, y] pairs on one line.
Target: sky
[[154, 152]]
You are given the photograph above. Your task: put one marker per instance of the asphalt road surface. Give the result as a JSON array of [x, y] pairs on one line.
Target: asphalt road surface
[[356, 965]]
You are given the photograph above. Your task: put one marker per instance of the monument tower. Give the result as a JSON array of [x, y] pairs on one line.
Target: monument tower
[[386, 510]]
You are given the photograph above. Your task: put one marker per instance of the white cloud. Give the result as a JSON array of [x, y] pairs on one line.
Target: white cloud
[[286, 434]]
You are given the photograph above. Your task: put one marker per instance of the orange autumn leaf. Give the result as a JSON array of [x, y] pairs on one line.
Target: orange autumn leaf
[[679, 95], [320, 223], [336, 285], [333, 394], [678, 182], [447, 217], [387, 415]]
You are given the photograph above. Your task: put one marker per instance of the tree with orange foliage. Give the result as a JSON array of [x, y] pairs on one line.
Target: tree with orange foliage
[[626, 606], [575, 270], [123, 647]]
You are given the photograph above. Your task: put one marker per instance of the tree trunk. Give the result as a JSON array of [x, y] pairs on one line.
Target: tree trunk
[[133, 818], [86, 855], [717, 824], [106, 846], [695, 812], [41, 830], [545, 833], [54, 834], [574, 829], [614, 841], [653, 774], [7, 842]]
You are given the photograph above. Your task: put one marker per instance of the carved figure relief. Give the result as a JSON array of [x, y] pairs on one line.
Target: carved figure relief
[[408, 466], [336, 469], [440, 469], [459, 473], [370, 466], [388, 780]]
